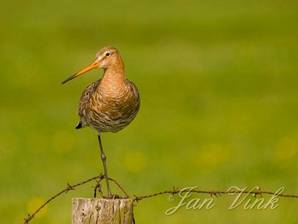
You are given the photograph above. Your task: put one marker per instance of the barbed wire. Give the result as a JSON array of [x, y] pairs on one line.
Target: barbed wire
[[68, 188], [213, 193], [136, 198]]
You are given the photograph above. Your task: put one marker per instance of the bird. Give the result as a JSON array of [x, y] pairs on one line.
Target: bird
[[110, 103]]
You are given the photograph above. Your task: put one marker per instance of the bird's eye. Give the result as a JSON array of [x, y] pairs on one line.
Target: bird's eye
[[108, 54]]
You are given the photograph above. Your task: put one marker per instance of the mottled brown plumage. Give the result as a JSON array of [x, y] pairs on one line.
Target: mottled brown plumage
[[106, 112], [111, 103]]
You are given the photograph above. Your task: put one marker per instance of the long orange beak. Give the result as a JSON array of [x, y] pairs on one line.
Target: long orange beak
[[93, 65]]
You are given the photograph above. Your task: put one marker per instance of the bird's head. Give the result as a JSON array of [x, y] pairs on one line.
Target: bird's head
[[105, 58]]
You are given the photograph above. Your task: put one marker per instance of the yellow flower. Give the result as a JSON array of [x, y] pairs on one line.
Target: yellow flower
[[62, 141], [212, 155], [134, 161], [285, 149]]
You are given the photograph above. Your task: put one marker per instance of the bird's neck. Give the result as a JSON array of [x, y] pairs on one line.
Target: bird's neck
[[113, 79]]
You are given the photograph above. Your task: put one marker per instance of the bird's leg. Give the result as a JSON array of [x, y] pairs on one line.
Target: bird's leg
[[104, 159]]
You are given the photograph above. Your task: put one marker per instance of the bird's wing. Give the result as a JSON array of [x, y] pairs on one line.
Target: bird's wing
[[135, 97], [86, 95]]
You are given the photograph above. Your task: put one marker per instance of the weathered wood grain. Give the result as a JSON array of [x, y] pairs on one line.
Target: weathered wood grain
[[102, 211]]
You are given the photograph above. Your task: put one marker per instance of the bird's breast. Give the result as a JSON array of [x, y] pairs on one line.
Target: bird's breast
[[113, 109]]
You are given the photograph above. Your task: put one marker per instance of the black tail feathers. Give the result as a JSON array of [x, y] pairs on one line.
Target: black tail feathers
[[79, 125]]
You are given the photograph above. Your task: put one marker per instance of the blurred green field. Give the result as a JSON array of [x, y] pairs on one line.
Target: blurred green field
[[218, 81]]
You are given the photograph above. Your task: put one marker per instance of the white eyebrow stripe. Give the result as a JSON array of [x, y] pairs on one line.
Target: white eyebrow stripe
[[100, 57]]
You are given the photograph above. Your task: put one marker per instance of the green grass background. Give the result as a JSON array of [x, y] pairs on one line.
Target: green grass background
[[218, 81]]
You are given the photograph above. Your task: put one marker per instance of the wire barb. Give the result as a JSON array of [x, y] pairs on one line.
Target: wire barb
[[136, 198], [68, 188], [213, 193]]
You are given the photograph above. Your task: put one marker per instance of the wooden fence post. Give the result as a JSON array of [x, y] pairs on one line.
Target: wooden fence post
[[102, 211]]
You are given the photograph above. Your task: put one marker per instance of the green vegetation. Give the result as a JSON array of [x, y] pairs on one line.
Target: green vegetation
[[218, 81]]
